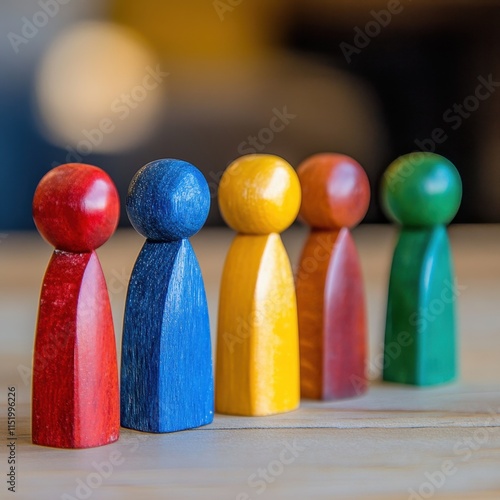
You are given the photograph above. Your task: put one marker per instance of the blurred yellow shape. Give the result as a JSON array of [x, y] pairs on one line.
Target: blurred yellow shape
[[98, 88]]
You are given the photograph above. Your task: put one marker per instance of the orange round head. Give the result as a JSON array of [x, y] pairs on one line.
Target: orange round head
[[76, 207], [335, 191]]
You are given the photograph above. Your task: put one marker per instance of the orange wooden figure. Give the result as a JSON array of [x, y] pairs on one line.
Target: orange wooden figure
[[330, 294], [75, 374]]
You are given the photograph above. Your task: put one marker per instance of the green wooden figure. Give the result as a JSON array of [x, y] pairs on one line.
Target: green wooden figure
[[422, 192]]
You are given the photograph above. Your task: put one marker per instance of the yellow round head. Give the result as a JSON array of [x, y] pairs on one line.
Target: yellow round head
[[259, 194]]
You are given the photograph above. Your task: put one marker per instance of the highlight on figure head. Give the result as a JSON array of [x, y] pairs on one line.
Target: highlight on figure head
[[421, 189], [335, 191], [168, 200], [259, 194], [76, 207]]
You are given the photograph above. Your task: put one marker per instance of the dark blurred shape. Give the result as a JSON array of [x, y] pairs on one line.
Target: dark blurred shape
[[27, 30], [425, 63], [260, 76]]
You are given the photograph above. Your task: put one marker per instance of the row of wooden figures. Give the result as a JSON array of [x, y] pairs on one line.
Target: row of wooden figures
[[277, 339]]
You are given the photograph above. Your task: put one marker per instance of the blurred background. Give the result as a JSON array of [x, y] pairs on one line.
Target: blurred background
[[119, 83]]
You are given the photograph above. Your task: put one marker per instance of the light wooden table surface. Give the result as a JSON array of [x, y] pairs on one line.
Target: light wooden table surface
[[439, 443]]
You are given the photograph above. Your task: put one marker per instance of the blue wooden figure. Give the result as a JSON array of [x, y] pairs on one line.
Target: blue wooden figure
[[166, 366]]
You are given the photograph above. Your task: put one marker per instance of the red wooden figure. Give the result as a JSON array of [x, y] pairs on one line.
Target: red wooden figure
[[330, 295], [75, 375]]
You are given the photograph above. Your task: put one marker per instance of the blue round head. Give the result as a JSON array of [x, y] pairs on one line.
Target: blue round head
[[168, 200]]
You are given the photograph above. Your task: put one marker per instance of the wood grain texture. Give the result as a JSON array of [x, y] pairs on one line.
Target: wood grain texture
[[330, 291], [257, 343], [168, 200], [257, 335], [332, 318], [75, 376], [375, 463], [259, 194], [76, 207], [166, 374], [374, 447], [421, 326], [422, 192]]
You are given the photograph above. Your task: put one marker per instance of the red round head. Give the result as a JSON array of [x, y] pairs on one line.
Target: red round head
[[76, 207], [335, 191]]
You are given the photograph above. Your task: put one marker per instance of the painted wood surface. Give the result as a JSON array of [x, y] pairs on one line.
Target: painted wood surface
[[166, 364], [274, 463], [75, 376], [422, 192], [257, 341], [375, 447], [330, 291]]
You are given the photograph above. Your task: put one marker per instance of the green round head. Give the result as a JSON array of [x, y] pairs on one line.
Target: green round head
[[421, 189]]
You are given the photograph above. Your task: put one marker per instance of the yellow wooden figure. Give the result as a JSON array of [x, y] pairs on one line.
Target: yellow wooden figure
[[257, 339]]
